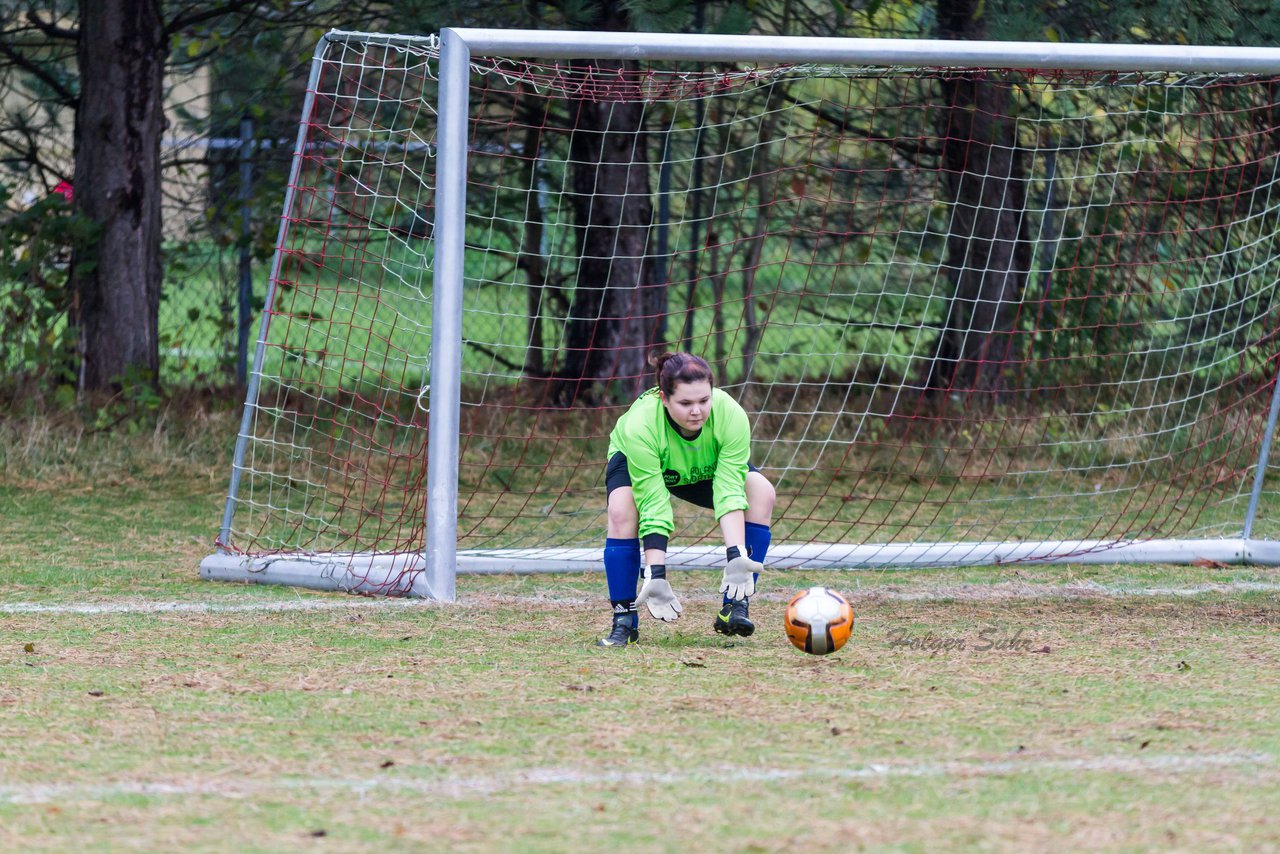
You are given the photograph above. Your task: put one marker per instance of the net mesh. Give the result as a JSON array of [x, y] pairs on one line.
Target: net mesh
[[959, 305]]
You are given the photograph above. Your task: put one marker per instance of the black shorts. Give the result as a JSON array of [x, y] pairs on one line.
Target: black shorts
[[616, 475]]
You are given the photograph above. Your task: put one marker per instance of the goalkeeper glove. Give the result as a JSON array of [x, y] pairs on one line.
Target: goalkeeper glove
[[657, 595], [739, 579]]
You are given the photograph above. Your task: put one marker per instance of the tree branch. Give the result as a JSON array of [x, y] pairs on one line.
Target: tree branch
[[507, 363], [906, 151], [15, 56], [181, 22], [862, 324], [297, 13], [50, 29]]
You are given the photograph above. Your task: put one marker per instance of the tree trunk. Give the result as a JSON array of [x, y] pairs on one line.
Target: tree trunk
[[119, 123], [987, 256], [612, 321]]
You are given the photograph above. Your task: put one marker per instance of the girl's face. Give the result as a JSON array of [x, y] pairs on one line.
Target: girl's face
[[689, 404]]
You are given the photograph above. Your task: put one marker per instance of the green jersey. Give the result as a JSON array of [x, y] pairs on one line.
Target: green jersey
[[659, 458]]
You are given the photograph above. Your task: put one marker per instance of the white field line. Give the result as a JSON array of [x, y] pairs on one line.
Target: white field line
[[458, 786], [1078, 589], [1002, 591], [210, 607]]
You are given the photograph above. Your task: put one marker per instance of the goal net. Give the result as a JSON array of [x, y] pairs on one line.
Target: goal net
[[976, 314]]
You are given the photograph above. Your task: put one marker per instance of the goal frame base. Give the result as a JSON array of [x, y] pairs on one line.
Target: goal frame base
[[403, 574]]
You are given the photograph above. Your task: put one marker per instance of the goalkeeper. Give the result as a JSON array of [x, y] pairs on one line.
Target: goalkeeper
[[688, 439]]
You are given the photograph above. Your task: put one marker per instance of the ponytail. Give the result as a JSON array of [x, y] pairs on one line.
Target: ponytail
[[671, 369]]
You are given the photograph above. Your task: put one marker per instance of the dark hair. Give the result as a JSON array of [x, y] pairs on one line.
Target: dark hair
[[671, 369]]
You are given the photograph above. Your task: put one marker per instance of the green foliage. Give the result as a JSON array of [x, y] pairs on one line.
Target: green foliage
[[659, 16], [37, 245], [134, 409], [1250, 22]]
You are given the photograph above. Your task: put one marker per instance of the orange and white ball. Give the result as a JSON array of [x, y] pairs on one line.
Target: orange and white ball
[[818, 621]]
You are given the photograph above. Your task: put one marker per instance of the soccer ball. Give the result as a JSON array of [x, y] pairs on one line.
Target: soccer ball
[[818, 621]]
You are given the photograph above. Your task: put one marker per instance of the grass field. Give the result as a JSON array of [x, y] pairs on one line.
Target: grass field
[[1107, 708]]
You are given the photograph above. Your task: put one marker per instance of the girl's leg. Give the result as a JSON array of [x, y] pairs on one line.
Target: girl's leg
[[622, 562], [760, 500]]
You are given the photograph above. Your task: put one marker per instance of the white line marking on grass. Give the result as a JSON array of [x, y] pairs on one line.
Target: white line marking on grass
[[1000, 591], [207, 607], [39, 793], [1076, 589]]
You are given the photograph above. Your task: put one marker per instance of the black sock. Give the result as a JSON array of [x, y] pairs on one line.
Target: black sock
[[625, 608]]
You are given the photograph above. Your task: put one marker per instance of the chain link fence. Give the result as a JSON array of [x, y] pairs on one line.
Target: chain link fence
[[215, 269]]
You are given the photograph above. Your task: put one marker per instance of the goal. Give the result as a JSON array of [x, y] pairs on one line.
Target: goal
[[985, 303]]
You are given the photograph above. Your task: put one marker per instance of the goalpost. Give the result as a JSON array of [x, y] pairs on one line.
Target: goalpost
[[984, 302]]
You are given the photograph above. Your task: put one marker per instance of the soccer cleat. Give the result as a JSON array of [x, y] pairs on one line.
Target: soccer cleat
[[733, 619], [621, 635]]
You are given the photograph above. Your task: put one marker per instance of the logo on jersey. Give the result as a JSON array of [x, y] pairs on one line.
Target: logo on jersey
[[671, 477], [697, 474]]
